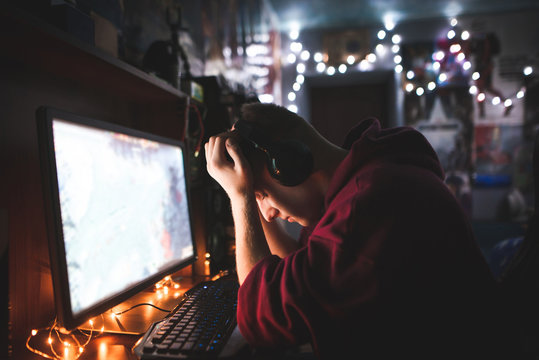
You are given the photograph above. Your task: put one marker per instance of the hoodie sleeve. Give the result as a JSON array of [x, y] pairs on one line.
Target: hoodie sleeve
[[288, 301]]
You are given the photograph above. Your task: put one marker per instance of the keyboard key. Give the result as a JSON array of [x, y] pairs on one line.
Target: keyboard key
[[161, 349], [175, 348], [148, 348], [188, 345]]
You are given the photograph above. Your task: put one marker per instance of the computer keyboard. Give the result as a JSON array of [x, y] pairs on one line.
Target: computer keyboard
[[198, 327]]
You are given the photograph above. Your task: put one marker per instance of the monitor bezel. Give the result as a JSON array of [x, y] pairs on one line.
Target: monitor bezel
[[65, 316]]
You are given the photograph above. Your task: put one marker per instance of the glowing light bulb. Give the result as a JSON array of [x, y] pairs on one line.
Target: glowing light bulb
[[455, 48], [176, 286], [320, 67], [364, 65], [350, 59], [507, 103], [475, 76], [397, 59], [410, 75], [467, 65], [49, 340], [381, 34], [419, 91], [300, 79], [451, 34], [454, 22], [396, 39], [291, 96], [409, 87], [465, 35], [528, 70], [296, 47], [439, 55], [291, 58], [398, 68], [296, 86], [371, 57], [431, 85], [342, 68], [318, 57], [331, 70], [266, 98], [481, 97], [300, 68], [81, 349], [293, 108], [167, 278], [395, 48], [91, 322], [305, 55], [496, 100], [442, 77], [473, 90], [34, 332], [389, 23], [520, 94]]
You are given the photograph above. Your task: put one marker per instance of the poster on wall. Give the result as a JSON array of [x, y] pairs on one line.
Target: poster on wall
[[468, 91], [339, 45], [495, 152], [439, 106]]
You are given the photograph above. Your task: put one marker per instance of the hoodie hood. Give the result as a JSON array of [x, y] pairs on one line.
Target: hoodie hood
[[367, 142]]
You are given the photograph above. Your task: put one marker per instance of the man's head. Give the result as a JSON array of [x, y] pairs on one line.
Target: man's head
[[281, 148], [289, 162]]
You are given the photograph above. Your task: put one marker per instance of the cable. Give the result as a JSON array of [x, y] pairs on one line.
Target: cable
[[141, 304], [201, 124], [63, 339]]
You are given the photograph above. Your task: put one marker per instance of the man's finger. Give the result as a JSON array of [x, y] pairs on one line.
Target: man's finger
[[233, 148]]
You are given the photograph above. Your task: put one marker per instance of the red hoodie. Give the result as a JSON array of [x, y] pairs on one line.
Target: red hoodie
[[391, 267]]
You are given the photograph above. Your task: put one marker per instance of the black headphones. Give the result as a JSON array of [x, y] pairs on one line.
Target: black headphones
[[290, 162]]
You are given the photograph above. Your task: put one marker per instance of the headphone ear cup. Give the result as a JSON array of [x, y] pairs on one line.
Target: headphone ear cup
[[290, 162]]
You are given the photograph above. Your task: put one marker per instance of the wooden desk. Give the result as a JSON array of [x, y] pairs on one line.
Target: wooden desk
[[122, 332]]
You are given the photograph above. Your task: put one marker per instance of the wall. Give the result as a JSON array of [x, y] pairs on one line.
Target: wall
[[48, 68], [488, 155]]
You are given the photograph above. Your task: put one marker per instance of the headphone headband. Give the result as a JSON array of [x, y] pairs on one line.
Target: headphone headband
[[290, 162]]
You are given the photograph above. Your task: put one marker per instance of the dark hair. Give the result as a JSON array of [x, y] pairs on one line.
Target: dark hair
[[276, 121], [282, 142]]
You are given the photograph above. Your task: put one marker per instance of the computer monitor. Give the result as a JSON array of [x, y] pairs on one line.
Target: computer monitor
[[117, 209]]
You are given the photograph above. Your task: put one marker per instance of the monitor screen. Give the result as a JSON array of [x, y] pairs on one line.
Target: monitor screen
[[118, 210]]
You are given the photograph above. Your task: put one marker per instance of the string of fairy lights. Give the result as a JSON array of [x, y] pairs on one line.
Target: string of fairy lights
[[61, 344], [443, 63]]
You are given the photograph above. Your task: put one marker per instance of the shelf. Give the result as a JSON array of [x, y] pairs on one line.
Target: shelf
[[35, 43]]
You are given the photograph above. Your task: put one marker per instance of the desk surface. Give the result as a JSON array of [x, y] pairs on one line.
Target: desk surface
[[122, 332]]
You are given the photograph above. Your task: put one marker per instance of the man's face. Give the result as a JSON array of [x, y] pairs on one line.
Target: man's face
[[301, 203]]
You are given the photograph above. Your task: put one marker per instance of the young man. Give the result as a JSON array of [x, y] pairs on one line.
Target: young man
[[386, 263]]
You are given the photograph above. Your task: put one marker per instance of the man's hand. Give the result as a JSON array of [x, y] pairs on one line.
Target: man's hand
[[236, 178], [235, 175]]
